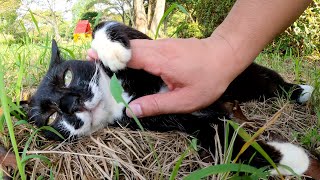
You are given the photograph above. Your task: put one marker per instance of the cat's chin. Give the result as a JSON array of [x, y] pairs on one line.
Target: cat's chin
[[107, 110], [94, 112]]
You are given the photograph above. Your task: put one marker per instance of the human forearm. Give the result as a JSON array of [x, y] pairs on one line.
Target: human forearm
[[252, 24]]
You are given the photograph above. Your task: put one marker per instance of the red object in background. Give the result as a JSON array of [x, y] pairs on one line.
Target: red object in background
[[83, 26]]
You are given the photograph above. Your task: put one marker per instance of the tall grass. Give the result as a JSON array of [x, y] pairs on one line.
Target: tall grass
[[8, 121]]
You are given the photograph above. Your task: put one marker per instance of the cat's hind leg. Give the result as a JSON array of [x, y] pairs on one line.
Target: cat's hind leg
[[258, 82], [298, 93], [285, 155], [282, 153]]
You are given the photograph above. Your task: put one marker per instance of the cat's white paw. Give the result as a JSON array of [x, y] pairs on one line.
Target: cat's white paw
[[113, 54], [292, 156], [306, 93]]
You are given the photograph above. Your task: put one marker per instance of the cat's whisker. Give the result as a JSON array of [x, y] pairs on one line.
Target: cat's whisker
[[95, 76], [36, 114], [49, 77], [35, 108]]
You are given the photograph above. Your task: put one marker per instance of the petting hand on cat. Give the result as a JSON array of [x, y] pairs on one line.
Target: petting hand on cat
[[191, 68], [187, 68]]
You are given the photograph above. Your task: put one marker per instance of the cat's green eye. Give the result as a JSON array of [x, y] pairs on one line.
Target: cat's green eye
[[67, 78], [52, 118]]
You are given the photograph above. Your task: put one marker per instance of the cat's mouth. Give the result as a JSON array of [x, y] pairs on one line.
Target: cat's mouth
[[94, 108], [92, 111]]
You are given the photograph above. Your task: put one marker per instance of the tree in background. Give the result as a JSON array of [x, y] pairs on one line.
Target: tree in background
[[91, 16], [8, 15], [48, 14], [125, 9], [140, 17], [109, 10], [148, 22]]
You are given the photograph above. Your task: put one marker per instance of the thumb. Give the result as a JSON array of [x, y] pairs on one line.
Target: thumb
[[156, 104], [92, 55]]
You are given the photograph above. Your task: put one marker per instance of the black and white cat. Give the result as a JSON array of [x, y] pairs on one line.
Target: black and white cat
[[74, 98]]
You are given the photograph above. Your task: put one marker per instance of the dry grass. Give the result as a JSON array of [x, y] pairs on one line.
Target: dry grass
[[121, 150], [109, 150], [295, 119]]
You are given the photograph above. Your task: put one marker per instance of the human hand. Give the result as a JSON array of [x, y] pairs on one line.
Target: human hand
[[195, 71]]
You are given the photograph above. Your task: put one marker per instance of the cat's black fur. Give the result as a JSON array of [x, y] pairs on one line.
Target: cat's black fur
[[255, 82]]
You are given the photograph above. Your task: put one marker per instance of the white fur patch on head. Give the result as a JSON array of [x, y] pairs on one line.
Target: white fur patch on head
[[306, 93], [112, 53], [292, 156]]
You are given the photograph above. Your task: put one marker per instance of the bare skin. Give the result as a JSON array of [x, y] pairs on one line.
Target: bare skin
[[197, 72]]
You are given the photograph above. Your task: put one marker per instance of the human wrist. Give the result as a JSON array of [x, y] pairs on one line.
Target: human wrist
[[245, 46], [224, 59]]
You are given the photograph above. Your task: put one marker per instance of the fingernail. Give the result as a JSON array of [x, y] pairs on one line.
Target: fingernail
[[136, 109]]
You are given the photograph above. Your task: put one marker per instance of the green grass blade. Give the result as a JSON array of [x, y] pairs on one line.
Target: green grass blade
[[166, 13], [21, 122], [6, 112], [97, 19], [47, 46], [51, 174], [2, 121], [244, 135], [14, 107], [176, 168], [34, 20], [33, 156], [180, 28], [116, 89], [27, 144], [20, 77], [70, 52], [1, 174], [221, 168], [261, 173]]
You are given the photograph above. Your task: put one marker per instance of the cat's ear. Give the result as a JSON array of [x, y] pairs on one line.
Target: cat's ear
[[55, 54]]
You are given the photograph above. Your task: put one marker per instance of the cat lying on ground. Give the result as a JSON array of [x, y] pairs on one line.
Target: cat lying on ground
[[74, 98]]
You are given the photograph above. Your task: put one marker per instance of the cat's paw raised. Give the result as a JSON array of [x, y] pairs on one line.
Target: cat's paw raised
[[112, 48]]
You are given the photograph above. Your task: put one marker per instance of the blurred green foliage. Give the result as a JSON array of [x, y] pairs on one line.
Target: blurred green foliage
[[211, 13], [91, 16], [302, 37], [189, 30]]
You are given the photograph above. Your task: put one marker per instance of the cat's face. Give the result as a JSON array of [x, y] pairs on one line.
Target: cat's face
[[73, 98]]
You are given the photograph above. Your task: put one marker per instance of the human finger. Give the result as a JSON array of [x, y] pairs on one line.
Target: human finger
[[92, 55], [165, 103]]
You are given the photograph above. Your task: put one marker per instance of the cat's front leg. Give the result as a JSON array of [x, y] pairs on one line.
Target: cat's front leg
[[112, 45]]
